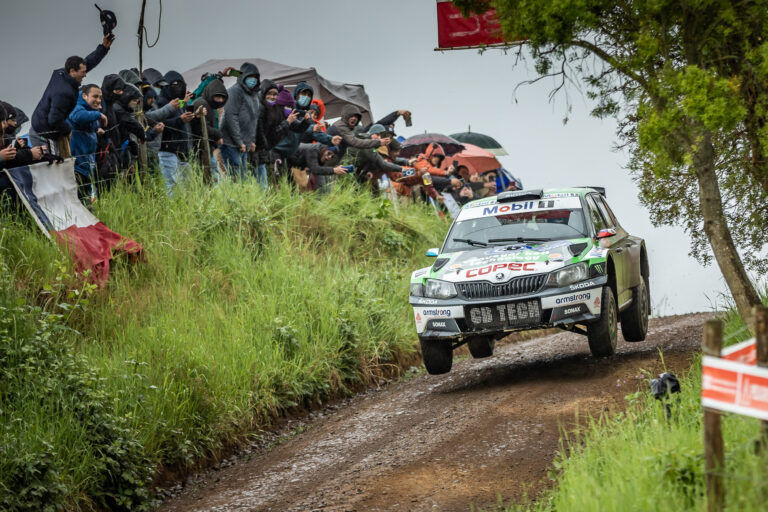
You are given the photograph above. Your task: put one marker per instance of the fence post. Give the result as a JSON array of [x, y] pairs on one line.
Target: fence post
[[205, 148], [63, 145], [713, 435], [143, 163], [760, 315]]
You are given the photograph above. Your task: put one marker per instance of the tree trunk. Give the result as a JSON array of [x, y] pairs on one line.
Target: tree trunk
[[715, 227]]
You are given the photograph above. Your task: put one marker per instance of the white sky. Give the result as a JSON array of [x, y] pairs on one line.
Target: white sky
[[388, 47]]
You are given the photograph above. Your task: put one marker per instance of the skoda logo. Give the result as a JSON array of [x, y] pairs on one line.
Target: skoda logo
[[499, 276]]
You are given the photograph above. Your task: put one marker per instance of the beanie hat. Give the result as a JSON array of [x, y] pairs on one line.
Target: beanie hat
[[284, 97], [376, 128]]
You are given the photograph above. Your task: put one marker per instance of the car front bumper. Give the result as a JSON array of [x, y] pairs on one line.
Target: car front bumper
[[457, 318]]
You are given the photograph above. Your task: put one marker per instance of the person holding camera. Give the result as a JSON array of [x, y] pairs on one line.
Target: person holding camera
[[298, 119], [49, 120]]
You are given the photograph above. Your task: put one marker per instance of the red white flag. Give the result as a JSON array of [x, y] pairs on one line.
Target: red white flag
[[456, 31], [49, 192], [732, 386]]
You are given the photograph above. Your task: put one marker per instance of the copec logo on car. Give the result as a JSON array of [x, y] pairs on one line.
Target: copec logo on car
[[515, 267]]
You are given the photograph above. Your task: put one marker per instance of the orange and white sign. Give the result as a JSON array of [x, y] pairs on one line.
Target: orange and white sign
[[734, 387], [744, 352]]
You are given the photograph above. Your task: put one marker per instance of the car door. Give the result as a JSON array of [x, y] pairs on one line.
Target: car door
[[617, 244]]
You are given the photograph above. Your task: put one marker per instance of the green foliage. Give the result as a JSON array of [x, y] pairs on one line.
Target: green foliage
[[248, 304], [59, 429], [671, 72]]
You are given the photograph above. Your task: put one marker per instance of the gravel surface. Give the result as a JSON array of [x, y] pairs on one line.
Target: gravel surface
[[489, 428]]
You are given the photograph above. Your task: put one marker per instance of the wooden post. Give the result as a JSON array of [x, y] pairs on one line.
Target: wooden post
[[714, 457], [143, 164], [205, 148], [760, 315], [63, 145]]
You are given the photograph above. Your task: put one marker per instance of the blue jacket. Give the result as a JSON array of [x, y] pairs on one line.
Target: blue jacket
[[60, 97], [84, 121]]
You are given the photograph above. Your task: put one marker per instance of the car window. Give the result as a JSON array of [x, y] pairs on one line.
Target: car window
[[610, 219], [608, 210], [595, 217]]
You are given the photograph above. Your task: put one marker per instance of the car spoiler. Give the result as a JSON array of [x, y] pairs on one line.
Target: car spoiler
[[601, 190], [519, 195]]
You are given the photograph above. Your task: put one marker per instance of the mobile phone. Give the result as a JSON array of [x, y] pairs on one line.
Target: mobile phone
[[349, 168], [15, 144], [235, 72]]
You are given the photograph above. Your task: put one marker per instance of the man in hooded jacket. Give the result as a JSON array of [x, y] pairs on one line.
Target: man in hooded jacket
[[49, 119], [174, 147], [344, 127], [212, 100], [240, 123], [302, 97]]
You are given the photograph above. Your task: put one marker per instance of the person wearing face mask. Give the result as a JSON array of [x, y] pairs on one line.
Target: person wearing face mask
[[153, 117], [272, 125], [174, 147], [240, 124], [214, 97], [298, 119], [130, 130], [155, 79], [112, 87]]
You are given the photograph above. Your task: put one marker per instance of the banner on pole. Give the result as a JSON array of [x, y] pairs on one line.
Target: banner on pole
[[456, 31], [733, 386]]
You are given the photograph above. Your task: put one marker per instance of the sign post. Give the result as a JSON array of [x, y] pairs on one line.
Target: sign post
[[714, 457]]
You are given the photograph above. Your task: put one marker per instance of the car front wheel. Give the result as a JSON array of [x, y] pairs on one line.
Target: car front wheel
[[634, 320], [437, 355], [602, 333]]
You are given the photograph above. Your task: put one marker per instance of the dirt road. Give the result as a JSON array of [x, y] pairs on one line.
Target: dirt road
[[488, 428]]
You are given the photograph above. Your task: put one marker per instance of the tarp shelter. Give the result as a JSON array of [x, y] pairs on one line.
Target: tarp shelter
[[334, 94]]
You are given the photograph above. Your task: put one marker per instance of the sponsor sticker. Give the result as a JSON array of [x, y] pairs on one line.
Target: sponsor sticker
[[555, 255], [419, 273], [576, 297], [597, 252], [426, 301], [514, 267], [435, 323], [570, 311], [581, 286]]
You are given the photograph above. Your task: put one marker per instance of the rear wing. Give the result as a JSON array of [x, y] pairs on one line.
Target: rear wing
[[601, 190]]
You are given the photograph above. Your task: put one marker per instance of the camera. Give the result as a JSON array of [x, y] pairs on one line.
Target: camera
[[300, 114]]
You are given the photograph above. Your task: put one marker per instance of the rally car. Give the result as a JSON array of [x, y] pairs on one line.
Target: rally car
[[531, 259]]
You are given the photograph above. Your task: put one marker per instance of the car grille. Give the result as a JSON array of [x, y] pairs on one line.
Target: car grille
[[516, 286]]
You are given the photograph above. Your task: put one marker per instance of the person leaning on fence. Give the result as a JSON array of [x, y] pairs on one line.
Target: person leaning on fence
[[49, 120], [12, 154], [174, 148], [240, 124], [153, 117], [213, 98], [344, 127], [369, 163], [309, 162], [130, 130], [86, 121]]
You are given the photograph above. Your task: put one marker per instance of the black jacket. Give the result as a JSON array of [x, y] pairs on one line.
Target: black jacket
[[370, 160], [272, 125], [60, 97], [308, 157], [175, 135], [108, 102], [127, 124], [214, 88]]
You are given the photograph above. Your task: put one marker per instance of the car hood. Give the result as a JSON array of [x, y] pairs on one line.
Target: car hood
[[503, 262]]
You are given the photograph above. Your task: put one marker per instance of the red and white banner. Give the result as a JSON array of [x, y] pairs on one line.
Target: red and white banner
[[456, 31], [732, 386], [744, 352]]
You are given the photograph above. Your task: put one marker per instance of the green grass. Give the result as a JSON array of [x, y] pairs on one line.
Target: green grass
[[638, 461], [248, 304]]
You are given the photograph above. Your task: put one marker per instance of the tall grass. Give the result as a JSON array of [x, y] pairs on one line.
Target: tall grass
[[248, 303], [639, 461]]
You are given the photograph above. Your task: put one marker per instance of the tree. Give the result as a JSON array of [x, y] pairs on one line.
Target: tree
[[688, 82]]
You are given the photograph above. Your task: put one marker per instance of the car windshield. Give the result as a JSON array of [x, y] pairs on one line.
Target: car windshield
[[537, 226]]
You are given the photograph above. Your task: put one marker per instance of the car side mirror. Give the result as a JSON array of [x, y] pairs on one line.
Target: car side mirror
[[606, 233], [433, 252]]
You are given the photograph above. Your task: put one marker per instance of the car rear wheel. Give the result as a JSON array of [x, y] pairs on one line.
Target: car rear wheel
[[602, 333], [634, 321], [437, 355], [481, 346]]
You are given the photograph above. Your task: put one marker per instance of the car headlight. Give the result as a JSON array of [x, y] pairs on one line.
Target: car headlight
[[437, 289], [568, 275], [417, 290]]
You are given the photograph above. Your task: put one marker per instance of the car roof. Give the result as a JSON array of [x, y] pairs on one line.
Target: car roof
[[551, 192]]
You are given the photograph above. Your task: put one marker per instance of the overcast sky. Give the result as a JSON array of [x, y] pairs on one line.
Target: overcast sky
[[388, 47]]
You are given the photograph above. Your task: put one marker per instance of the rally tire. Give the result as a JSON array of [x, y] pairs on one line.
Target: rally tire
[[437, 355], [481, 346], [602, 333], [634, 320]]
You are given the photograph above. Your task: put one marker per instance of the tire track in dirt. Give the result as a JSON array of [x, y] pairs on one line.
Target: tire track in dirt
[[489, 428]]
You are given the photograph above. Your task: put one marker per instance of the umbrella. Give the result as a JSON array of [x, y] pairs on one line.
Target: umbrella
[[477, 160], [483, 141], [416, 144]]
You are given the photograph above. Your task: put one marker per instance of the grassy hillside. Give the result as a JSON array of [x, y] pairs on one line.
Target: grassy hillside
[[247, 305]]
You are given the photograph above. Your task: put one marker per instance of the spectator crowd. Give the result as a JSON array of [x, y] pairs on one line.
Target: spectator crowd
[[256, 129]]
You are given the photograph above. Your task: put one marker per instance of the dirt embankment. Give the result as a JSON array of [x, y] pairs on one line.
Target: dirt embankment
[[489, 428]]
